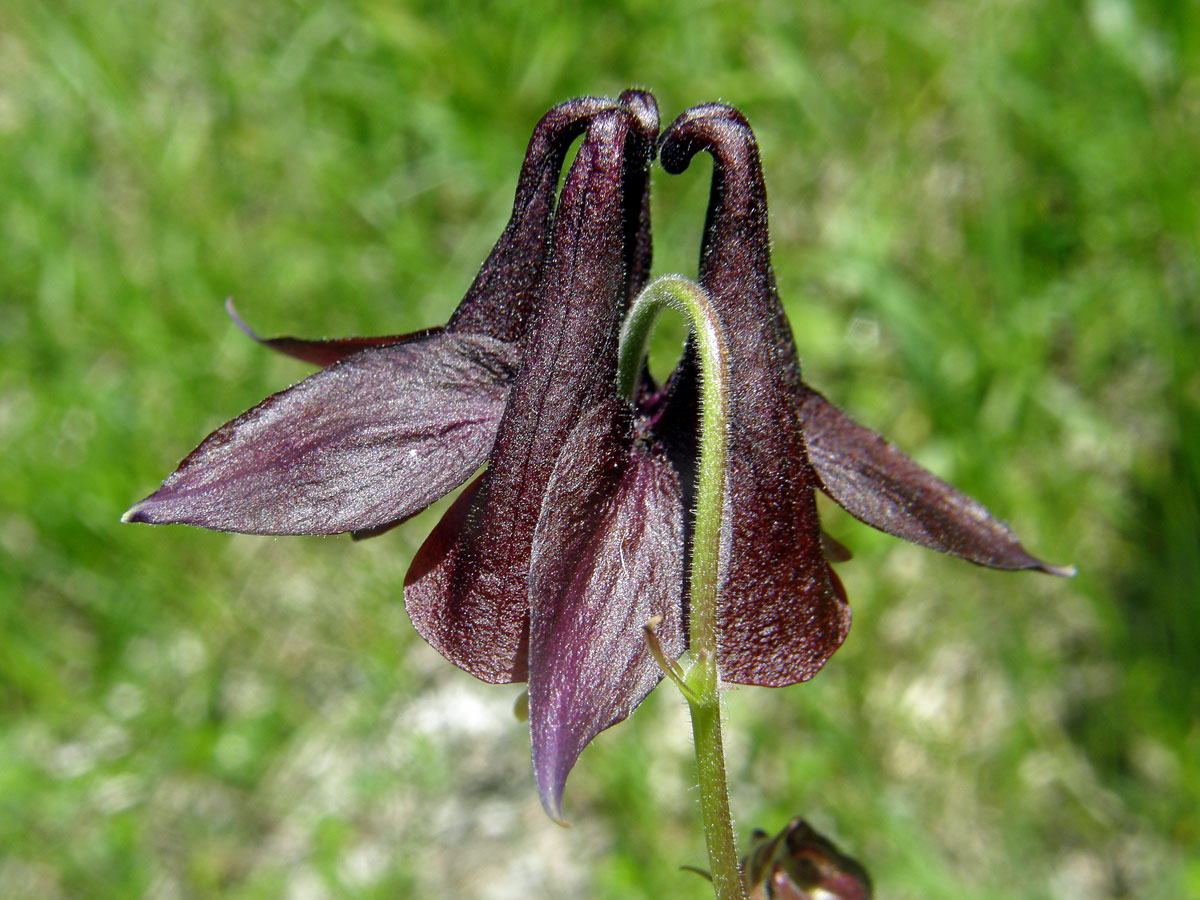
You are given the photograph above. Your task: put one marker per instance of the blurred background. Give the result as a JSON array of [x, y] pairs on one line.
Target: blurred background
[[985, 222]]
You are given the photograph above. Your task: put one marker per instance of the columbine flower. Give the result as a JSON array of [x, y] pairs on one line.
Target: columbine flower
[[550, 563]]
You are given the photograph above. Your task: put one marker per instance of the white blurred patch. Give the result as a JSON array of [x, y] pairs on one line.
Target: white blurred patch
[[187, 654], [455, 710], [112, 795], [125, 701]]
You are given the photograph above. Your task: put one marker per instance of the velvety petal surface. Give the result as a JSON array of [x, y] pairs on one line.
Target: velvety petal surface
[[782, 614], [607, 557], [372, 439], [881, 486], [466, 591]]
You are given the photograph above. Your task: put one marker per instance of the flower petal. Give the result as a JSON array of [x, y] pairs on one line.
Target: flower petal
[[782, 614], [607, 557], [463, 594], [879, 485], [370, 440]]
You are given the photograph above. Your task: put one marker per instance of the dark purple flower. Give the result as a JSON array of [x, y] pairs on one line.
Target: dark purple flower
[[550, 563]]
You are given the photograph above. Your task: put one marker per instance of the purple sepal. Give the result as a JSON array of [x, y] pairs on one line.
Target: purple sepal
[[368, 441], [607, 557], [881, 486]]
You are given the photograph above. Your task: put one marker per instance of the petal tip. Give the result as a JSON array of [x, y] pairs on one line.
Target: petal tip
[[231, 311], [148, 511], [550, 769], [1061, 571], [135, 513], [552, 803]]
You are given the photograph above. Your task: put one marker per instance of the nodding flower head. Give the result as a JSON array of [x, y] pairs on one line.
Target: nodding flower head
[[550, 563]]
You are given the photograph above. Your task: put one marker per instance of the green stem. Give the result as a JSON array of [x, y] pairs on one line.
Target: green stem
[[714, 801], [703, 680]]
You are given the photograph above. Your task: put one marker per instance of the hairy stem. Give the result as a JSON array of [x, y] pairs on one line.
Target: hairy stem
[[703, 680]]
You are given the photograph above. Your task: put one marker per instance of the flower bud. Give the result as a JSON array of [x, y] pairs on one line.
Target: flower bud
[[799, 863]]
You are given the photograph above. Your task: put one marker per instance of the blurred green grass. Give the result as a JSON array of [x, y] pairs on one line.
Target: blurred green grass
[[985, 225]]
